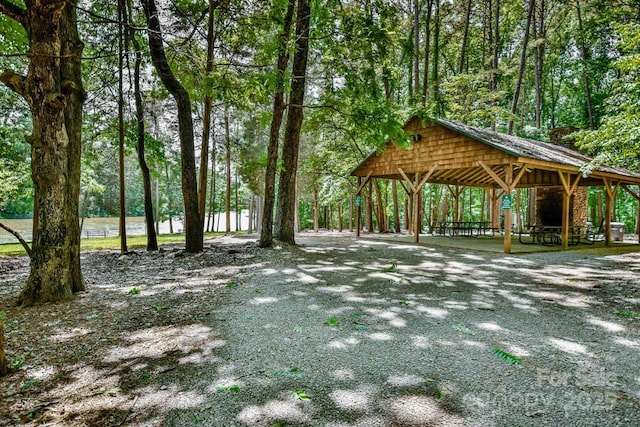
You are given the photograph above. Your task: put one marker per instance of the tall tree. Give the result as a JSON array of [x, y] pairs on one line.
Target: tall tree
[[521, 68], [584, 54], [192, 225], [152, 240], [54, 92], [427, 51], [540, 29], [465, 38], [122, 227], [206, 119], [494, 45], [285, 218], [266, 233]]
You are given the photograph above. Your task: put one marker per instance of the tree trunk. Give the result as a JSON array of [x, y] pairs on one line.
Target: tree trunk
[[416, 49], [212, 197], [523, 61], [427, 47], [122, 223], [465, 37], [287, 185], [251, 213], [435, 72], [396, 210], [54, 92], [192, 225], [4, 363], [382, 222], [584, 53], [206, 120], [227, 147], [540, 35], [495, 50], [152, 240], [315, 211], [266, 233]]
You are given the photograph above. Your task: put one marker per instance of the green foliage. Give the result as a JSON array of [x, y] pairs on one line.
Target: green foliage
[[300, 395], [628, 313], [617, 141], [506, 356], [233, 284], [292, 372], [234, 388], [134, 291], [391, 269], [332, 321]]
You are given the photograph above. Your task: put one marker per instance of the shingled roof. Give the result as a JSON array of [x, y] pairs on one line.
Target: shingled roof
[[529, 148], [461, 154]]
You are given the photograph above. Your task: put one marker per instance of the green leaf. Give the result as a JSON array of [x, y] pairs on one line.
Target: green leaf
[[232, 388], [134, 291], [506, 356], [630, 314], [333, 321], [300, 395], [233, 284], [391, 269]]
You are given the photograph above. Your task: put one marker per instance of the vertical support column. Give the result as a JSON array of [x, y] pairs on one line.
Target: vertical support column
[[416, 208], [566, 201], [607, 219], [508, 179], [359, 209], [611, 195]]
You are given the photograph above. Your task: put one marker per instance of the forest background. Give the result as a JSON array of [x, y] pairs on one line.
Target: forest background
[[521, 67]]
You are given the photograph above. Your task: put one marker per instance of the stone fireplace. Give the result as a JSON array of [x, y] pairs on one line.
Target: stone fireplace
[[549, 199]]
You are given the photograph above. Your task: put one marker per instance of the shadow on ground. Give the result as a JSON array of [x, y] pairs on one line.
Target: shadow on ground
[[337, 332]]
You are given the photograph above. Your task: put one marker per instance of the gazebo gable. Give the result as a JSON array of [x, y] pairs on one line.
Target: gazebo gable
[[432, 143]]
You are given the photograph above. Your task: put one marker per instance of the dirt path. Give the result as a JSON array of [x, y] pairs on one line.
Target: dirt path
[[336, 332]]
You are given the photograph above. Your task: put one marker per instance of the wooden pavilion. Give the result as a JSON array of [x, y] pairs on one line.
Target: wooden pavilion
[[451, 153]]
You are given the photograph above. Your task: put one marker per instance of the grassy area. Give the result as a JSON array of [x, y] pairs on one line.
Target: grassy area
[[99, 243]]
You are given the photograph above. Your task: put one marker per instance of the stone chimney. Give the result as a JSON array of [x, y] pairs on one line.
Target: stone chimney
[[549, 199]]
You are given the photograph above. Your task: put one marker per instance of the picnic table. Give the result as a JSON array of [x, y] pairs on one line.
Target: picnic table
[[463, 228], [552, 235]]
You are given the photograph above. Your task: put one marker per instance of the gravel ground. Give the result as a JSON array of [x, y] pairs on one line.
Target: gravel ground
[[367, 332]]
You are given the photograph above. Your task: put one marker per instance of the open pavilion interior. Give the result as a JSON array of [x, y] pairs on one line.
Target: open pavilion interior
[[458, 155]]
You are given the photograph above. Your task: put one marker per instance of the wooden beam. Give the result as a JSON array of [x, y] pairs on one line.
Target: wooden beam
[[359, 207], [611, 192], [426, 177], [416, 212], [508, 180], [518, 177], [404, 186], [406, 178], [495, 176], [569, 188], [637, 197], [361, 183], [630, 191], [566, 200]]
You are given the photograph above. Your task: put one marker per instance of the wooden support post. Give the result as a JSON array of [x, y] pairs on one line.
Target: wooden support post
[[566, 200], [569, 187], [416, 209], [508, 179], [359, 208], [611, 193], [637, 197]]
